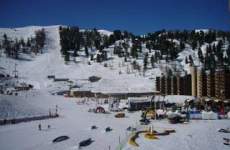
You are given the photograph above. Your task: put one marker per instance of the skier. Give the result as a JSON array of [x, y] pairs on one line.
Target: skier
[[56, 110], [39, 127]]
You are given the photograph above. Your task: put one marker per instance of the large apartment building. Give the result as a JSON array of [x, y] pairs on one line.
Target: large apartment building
[[222, 83], [200, 83], [211, 83]]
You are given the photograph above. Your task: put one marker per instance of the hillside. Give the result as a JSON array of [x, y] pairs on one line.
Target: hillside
[[127, 63], [130, 64], [35, 70]]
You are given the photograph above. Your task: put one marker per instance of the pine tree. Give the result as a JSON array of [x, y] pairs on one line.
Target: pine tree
[[66, 57], [126, 34], [99, 59], [111, 39], [219, 46], [134, 53], [125, 59], [125, 46], [186, 60], [104, 55], [86, 51], [15, 49], [191, 60], [182, 45], [28, 43], [140, 47], [97, 39], [7, 45], [219, 52], [5, 40], [106, 41], [194, 45], [214, 48], [97, 44], [76, 40], [200, 55], [152, 61], [117, 35], [228, 51], [145, 61], [148, 46], [228, 54], [40, 37], [22, 42]]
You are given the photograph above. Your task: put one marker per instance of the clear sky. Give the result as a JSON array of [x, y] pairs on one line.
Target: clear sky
[[137, 16]]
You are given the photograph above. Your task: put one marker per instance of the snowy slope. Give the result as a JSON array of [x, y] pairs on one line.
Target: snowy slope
[[52, 63], [23, 32], [105, 32], [203, 30], [75, 120], [197, 135]]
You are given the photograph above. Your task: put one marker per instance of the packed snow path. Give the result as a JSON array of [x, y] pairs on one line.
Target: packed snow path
[[44, 64]]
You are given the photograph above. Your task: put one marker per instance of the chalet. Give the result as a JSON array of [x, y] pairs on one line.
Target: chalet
[[78, 92], [138, 103], [23, 87]]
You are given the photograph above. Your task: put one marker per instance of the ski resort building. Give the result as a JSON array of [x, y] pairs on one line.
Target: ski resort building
[[162, 84], [158, 83], [82, 92], [193, 71], [222, 83], [180, 85], [210, 83], [173, 85], [187, 85], [138, 103], [200, 84], [168, 84]]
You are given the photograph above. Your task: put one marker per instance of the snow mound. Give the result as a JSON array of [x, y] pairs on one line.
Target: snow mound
[[105, 32], [204, 30]]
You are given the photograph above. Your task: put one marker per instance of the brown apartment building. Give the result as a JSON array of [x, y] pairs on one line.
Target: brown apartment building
[[201, 83]]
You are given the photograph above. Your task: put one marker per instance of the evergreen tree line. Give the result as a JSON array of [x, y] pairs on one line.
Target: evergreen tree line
[[162, 42], [188, 36], [73, 40], [12, 48], [215, 56]]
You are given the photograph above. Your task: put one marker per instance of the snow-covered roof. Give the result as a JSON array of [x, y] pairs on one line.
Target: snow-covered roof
[[139, 99], [174, 98]]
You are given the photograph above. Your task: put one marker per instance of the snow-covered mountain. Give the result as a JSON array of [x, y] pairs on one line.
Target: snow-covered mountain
[[105, 32], [114, 78], [116, 74]]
